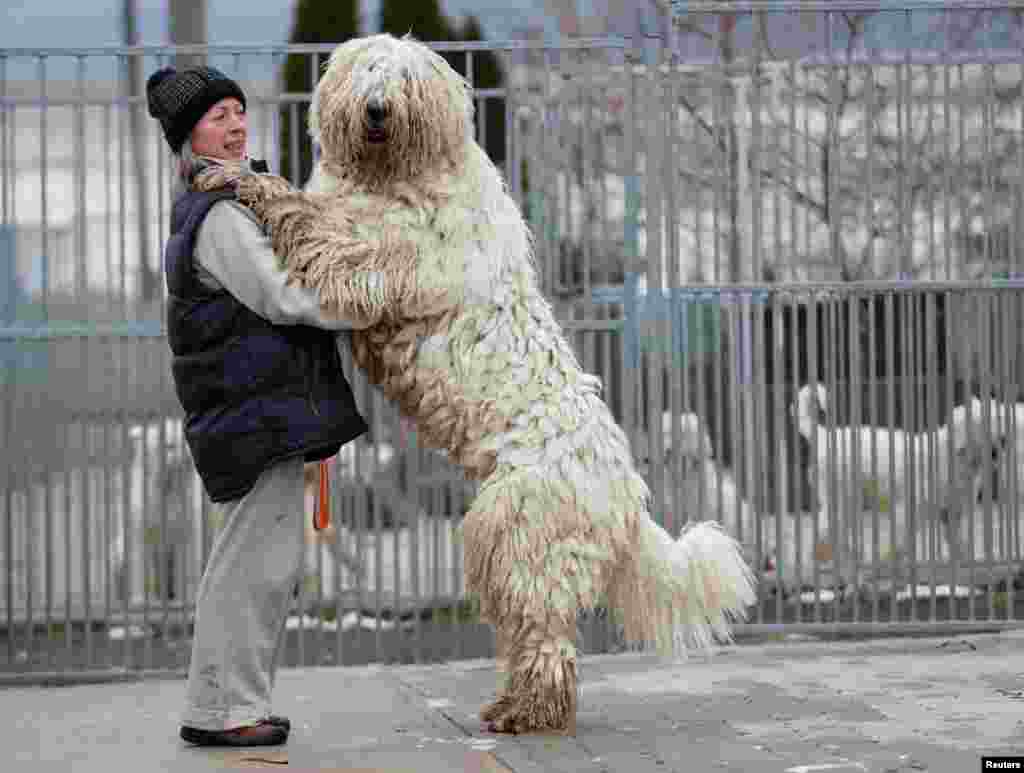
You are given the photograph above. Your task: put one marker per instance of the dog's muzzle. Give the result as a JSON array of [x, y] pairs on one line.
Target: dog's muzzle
[[376, 120]]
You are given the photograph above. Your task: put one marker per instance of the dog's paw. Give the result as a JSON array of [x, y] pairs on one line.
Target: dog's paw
[[490, 713], [541, 701], [531, 713], [216, 177], [263, 186]]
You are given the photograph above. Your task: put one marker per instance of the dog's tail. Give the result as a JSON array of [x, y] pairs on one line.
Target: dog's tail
[[691, 588]]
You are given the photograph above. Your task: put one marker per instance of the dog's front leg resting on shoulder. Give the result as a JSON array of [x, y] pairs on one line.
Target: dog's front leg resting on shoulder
[[363, 271]]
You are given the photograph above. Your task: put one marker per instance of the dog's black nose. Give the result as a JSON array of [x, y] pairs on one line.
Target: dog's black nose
[[376, 113]]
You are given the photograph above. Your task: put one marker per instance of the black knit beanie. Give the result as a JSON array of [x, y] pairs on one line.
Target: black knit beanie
[[178, 100]]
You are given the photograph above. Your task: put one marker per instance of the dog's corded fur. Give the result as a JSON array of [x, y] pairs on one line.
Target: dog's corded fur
[[408, 231]]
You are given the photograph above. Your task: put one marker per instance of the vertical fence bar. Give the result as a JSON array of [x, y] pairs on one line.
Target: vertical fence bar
[[588, 171], [1018, 199], [361, 516], [547, 176], [905, 124], [8, 166], [757, 495], [990, 224], [414, 452], [150, 567], [838, 487], [906, 412], [997, 529], [318, 545], [919, 428], [413, 519], [377, 514], [123, 103], [988, 217], [604, 312], [814, 302], [840, 480], [934, 494], [873, 382], [987, 316], [801, 513], [7, 163], [929, 184], [758, 499], [1009, 490], [891, 371], [725, 430], [43, 182], [165, 559], [855, 366], [123, 63], [947, 132], [513, 149], [783, 508], [438, 597], [563, 184], [110, 371], [82, 287], [41, 447], [956, 517], [339, 554], [630, 228], [670, 173]]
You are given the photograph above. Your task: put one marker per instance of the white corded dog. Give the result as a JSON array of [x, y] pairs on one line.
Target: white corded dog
[[408, 231], [880, 473]]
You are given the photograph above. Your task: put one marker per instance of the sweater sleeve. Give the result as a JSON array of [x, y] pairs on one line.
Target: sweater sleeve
[[232, 249]]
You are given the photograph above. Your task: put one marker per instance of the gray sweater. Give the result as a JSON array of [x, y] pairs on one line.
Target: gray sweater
[[233, 253]]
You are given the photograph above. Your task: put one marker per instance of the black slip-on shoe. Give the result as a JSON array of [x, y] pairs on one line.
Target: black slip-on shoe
[[277, 721], [263, 734]]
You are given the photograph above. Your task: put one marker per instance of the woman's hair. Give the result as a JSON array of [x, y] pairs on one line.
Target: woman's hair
[[186, 164]]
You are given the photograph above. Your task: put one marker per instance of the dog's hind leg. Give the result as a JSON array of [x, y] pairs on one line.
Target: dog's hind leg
[[535, 559], [541, 683]]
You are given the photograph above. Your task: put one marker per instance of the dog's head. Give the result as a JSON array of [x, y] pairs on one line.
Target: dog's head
[[390, 108]]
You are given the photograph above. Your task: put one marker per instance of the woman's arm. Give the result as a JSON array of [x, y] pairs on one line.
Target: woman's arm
[[363, 269], [232, 247]]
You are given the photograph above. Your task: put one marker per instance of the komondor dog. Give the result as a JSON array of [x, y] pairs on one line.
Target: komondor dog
[[890, 469], [407, 230]]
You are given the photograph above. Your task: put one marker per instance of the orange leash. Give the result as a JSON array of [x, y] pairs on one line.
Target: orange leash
[[322, 516]]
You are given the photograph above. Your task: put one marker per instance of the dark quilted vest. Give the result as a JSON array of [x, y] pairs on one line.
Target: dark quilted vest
[[253, 393]]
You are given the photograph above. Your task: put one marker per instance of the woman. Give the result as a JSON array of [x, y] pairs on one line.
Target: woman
[[257, 371]]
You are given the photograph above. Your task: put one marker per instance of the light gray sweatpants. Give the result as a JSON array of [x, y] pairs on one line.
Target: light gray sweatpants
[[243, 600]]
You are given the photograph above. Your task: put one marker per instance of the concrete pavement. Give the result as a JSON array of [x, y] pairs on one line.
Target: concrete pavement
[[797, 706]]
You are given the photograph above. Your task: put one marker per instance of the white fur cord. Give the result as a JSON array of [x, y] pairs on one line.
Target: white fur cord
[[706, 566]]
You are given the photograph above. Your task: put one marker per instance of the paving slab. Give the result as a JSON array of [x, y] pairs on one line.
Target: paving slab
[[933, 704]]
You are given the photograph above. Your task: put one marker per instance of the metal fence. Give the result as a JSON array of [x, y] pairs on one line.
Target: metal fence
[[766, 201]]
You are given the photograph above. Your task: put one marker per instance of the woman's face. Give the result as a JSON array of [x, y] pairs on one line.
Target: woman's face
[[221, 132]]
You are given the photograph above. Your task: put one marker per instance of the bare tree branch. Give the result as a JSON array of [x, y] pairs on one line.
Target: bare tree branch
[[797, 195], [707, 127], [688, 26]]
